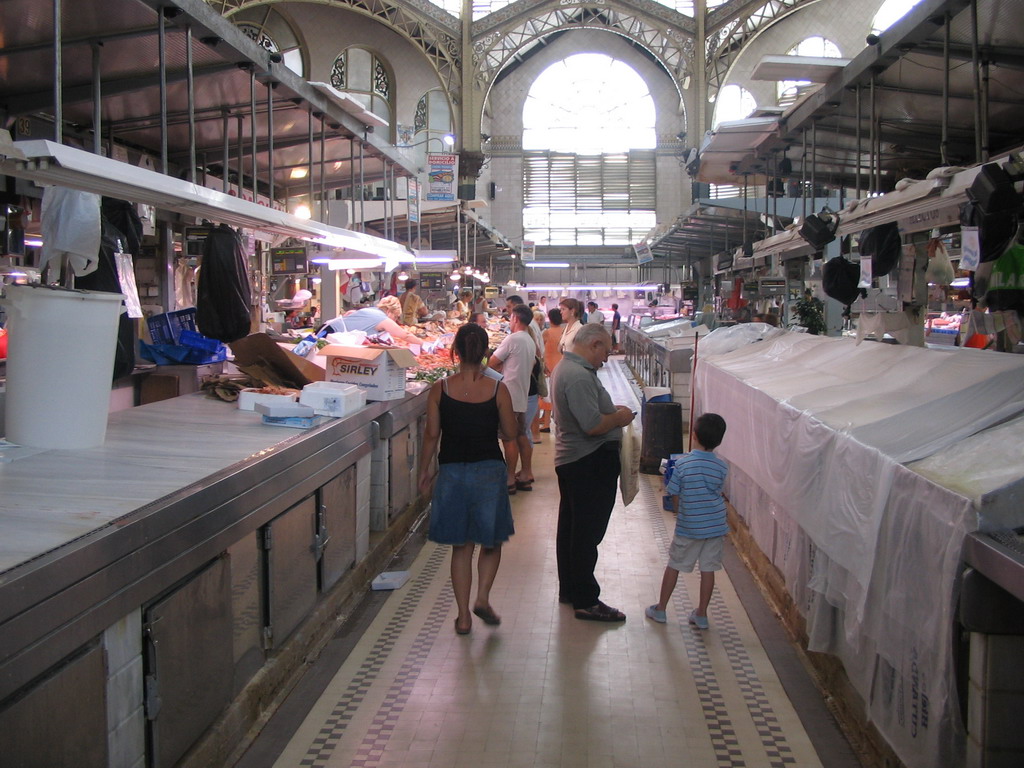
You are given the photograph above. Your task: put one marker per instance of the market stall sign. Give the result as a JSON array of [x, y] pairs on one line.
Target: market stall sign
[[195, 240], [431, 281], [771, 286], [288, 261]]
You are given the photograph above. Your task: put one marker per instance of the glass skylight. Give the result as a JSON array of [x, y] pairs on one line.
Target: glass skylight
[[589, 104], [891, 12]]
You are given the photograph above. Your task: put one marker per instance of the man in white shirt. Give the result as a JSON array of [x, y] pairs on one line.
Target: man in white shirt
[[594, 315], [514, 358], [538, 337]]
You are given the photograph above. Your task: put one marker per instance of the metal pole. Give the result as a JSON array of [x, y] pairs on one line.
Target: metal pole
[[225, 169], [162, 47], [984, 111], [873, 159], [976, 73], [362, 183], [814, 164], [408, 218], [803, 178], [97, 96], [325, 211], [352, 178], [312, 177], [252, 130], [190, 71], [944, 143], [270, 137], [58, 76], [240, 123], [857, 172]]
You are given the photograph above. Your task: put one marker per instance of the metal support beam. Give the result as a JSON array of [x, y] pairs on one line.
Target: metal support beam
[[58, 78], [191, 85]]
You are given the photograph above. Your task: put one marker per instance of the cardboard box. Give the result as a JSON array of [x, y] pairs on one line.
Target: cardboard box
[[265, 360], [378, 370]]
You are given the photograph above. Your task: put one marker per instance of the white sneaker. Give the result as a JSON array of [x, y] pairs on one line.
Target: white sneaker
[[700, 622]]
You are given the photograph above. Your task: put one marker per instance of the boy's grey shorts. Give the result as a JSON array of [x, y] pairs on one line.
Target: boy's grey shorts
[[684, 553]]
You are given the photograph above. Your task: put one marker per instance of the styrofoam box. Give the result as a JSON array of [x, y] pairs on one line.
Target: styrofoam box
[[332, 398], [248, 398], [284, 410]]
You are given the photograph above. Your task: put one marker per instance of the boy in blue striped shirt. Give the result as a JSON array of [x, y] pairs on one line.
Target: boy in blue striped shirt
[[696, 491]]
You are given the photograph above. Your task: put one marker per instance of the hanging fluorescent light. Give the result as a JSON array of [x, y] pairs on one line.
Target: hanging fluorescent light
[[552, 264], [303, 212], [316, 280], [467, 270], [590, 287], [299, 173], [455, 277], [403, 275], [353, 264], [33, 242], [448, 139]]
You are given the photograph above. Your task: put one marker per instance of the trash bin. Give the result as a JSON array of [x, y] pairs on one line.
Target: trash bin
[[662, 435]]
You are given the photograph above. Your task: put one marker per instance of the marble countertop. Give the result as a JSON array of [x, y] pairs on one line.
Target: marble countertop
[[49, 498]]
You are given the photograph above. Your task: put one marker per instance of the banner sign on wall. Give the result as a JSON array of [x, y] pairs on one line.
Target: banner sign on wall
[[529, 250], [643, 252], [414, 201], [442, 173]]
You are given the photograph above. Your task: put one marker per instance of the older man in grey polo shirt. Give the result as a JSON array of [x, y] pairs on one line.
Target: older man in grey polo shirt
[[588, 430]]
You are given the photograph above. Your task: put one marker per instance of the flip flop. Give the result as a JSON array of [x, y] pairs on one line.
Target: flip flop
[[461, 631], [512, 489], [524, 486], [488, 616]]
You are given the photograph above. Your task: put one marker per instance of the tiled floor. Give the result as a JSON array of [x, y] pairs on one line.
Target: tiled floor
[[544, 689]]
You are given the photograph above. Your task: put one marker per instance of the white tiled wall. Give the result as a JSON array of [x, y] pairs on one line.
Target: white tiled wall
[[125, 717]]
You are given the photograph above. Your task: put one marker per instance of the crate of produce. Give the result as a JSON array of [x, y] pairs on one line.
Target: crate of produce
[[167, 328]]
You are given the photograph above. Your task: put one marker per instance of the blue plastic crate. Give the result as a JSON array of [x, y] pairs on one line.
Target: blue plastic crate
[[189, 338], [167, 328]]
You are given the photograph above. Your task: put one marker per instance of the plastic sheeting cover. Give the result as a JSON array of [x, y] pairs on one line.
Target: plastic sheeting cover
[[821, 428]]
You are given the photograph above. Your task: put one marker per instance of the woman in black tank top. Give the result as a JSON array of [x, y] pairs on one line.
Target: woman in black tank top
[[470, 504]]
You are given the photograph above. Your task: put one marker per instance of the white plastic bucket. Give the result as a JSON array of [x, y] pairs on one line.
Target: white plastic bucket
[[60, 362]]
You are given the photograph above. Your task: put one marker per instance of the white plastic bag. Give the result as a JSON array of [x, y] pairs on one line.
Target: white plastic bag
[[940, 269], [629, 464], [71, 228]]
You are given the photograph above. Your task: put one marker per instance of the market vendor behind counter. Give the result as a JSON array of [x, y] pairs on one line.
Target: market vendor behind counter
[[373, 320]]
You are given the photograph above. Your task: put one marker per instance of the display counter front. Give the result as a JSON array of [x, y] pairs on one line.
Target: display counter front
[[175, 576]]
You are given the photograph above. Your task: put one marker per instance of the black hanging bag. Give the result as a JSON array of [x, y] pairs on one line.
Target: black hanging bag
[[840, 280], [223, 293], [883, 244]]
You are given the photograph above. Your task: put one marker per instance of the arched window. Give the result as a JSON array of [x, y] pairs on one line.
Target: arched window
[[588, 154], [733, 103], [433, 115], [891, 12], [365, 77], [272, 32], [817, 46]]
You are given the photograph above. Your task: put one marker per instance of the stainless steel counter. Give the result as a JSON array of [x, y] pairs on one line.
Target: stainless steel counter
[[192, 544]]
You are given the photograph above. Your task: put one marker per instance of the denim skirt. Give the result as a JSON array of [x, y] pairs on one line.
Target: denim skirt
[[470, 504]]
